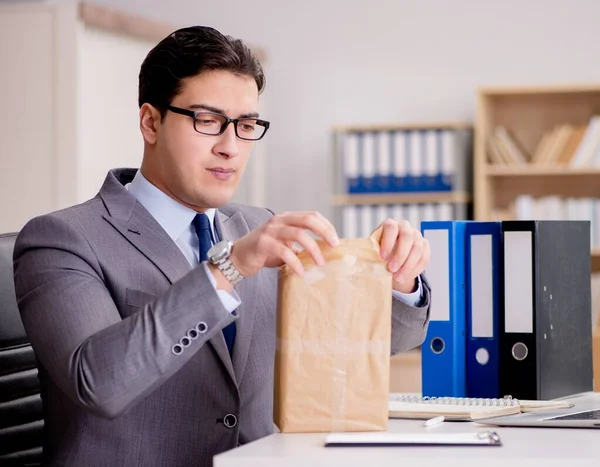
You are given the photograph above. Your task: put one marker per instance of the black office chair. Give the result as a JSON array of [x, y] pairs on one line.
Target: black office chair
[[21, 417]]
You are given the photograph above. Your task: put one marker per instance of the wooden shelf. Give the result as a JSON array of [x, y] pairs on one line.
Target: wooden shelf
[[405, 372], [540, 171], [595, 258], [451, 125], [579, 88], [596, 358], [529, 113], [401, 198]]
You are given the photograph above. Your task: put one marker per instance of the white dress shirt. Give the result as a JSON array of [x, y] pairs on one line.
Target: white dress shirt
[[176, 219]]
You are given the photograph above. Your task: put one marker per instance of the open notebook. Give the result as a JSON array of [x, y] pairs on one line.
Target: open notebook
[[463, 408]]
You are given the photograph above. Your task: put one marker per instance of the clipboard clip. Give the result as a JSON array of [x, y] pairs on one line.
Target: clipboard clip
[[490, 436]]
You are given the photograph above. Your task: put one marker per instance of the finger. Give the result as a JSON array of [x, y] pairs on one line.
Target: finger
[[316, 214], [412, 275], [314, 222], [424, 262], [320, 216], [294, 247], [290, 258], [295, 234], [404, 244], [388, 238], [328, 223], [413, 259]]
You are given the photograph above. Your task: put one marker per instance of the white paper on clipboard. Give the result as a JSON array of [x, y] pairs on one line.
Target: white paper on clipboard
[[481, 438]]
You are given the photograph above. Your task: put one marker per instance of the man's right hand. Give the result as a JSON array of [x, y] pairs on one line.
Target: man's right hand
[[273, 243]]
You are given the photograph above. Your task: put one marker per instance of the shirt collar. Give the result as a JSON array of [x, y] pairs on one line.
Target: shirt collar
[[172, 216]]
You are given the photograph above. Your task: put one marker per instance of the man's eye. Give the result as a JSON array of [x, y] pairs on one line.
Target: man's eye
[[206, 122]]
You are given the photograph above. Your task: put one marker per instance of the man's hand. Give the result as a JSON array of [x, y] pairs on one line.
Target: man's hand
[[406, 252], [272, 244]]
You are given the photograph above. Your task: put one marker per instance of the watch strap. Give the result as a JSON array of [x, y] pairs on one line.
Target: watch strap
[[228, 269]]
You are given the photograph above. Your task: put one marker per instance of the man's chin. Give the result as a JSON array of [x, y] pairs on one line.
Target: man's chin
[[220, 199]]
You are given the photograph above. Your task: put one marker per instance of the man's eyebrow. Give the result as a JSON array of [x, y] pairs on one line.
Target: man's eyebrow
[[207, 107], [250, 115], [220, 111]]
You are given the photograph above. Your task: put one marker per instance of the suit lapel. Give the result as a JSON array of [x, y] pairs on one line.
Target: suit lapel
[[232, 228], [145, 234], [138, 226]]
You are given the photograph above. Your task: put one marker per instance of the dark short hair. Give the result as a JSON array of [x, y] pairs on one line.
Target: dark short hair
[[189, 52]]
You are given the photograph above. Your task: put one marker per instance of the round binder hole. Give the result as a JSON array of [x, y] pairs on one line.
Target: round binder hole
[[482, 356], [519, 351], [437, 345]]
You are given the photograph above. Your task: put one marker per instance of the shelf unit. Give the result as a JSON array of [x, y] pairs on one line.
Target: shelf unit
[[442, 125], [405, 372], [529, 113], [459, 200], [402, 198]]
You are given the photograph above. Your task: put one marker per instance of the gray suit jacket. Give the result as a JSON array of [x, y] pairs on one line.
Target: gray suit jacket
[[105, 294]]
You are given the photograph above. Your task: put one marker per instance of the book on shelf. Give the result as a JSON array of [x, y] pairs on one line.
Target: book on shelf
[[554, 207], [505, 149], [573, 145]]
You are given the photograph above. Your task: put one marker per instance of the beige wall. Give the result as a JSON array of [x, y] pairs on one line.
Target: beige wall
[[28, 127], [109, 135], [69, 99], [329, 62], [340, 61]]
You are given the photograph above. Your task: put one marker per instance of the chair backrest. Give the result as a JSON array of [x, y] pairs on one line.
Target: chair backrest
[[21, 417]]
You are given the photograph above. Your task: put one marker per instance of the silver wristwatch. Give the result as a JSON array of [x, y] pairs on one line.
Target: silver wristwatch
[[220, 256]]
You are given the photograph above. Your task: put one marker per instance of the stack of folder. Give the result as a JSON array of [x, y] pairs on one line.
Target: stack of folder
[[415, 161], [406, 161], [511, 309]]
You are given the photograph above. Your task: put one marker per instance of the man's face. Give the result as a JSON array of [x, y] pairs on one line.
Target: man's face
[[198, 170]]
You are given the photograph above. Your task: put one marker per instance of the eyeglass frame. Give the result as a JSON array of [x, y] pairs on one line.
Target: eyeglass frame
[[194, 114]]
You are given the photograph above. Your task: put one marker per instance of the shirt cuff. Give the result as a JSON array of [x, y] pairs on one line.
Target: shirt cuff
[[411, 299], [231, 301]]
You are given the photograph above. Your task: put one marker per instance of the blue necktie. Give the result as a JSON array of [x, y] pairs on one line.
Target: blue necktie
[[202, 226]]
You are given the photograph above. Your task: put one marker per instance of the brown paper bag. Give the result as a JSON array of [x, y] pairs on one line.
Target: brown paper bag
[[332, 363]]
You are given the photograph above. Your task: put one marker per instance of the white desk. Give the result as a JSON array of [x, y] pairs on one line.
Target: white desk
[[541, 447]]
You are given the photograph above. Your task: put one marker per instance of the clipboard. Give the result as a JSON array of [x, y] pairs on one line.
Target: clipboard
[[481, 438]]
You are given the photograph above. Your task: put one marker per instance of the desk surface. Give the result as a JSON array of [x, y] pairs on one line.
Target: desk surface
[[531, 446]]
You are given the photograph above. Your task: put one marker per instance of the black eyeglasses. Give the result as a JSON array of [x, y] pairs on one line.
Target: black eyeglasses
[[213, 124]]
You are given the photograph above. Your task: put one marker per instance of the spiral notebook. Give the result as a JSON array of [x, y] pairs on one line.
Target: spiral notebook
[[463, 408]]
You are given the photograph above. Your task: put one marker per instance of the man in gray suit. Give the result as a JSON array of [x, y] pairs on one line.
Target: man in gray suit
[[151, 307]]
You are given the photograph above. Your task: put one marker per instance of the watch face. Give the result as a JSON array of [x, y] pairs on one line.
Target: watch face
[[219, 251]]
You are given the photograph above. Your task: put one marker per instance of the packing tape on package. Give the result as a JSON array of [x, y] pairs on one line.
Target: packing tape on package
[[323, 348], [315, 274], [338, 374]]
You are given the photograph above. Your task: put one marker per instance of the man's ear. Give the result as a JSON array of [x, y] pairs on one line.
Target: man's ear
[[150, 120]]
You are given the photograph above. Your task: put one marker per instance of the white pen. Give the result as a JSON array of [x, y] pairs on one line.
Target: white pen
[[434, 421]]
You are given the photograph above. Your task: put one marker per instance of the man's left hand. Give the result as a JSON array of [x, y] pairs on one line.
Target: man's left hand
[[406, 252]]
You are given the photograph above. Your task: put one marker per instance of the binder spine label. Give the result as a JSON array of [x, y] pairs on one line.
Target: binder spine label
[[518, 283]]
